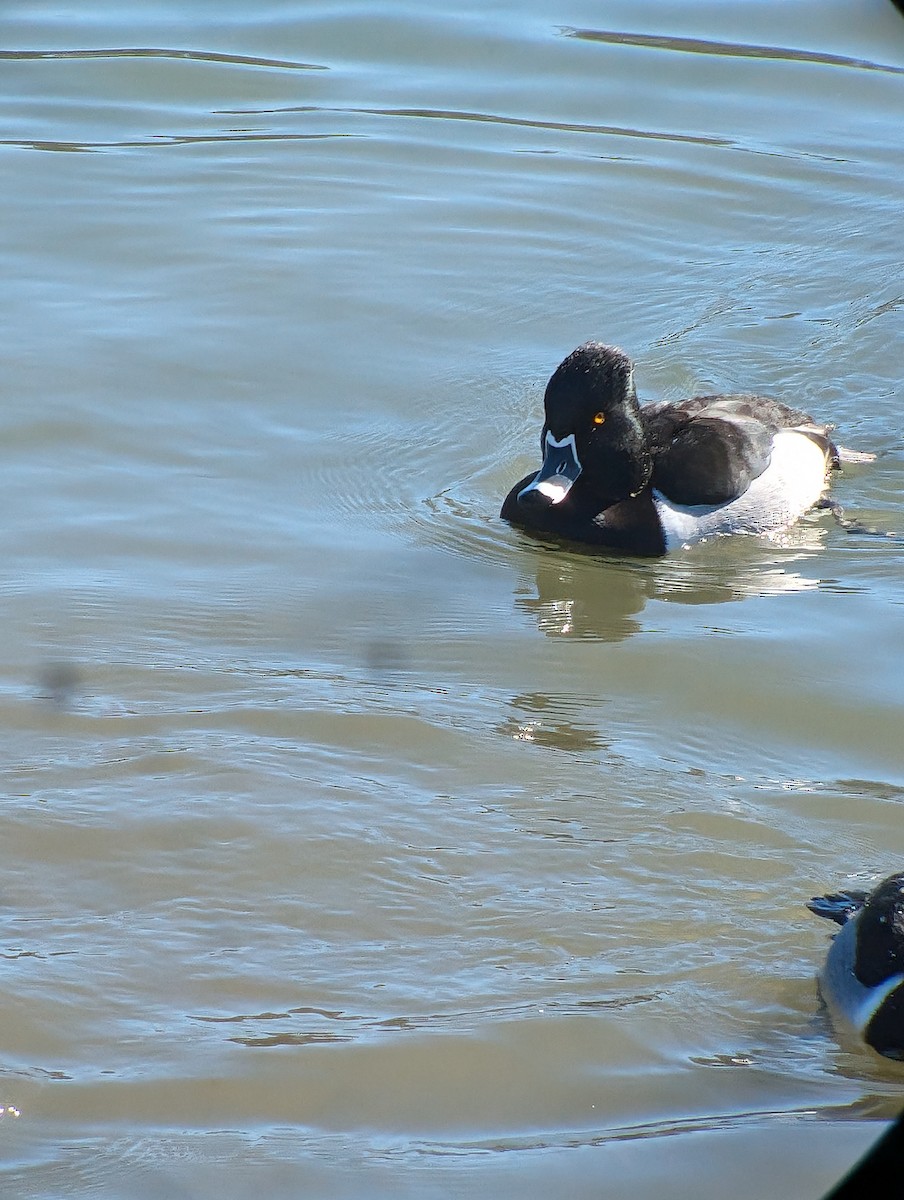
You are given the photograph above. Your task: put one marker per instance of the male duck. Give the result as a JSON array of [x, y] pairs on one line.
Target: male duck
[[862, 982], [645, 480]]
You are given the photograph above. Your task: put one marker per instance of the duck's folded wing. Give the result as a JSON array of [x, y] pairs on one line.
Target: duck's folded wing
[[707, 459]]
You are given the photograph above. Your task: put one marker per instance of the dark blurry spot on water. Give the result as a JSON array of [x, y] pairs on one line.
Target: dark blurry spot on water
[[386, 656], [58, 683]]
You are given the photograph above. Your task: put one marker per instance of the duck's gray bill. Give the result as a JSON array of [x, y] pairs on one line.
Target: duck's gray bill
[[561, 468]]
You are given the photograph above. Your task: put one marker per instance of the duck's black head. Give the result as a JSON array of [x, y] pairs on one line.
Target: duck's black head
[[592, 441]]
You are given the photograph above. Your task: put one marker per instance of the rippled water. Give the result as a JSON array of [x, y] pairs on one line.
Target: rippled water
[[353, 844]]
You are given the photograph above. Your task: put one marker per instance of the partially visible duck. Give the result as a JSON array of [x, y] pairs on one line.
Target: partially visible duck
[[645, 480], [862, 982]]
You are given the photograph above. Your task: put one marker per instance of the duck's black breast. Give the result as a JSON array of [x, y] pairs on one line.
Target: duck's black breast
[[709, 449], [885, 1032], [629, 526], [880, 945]]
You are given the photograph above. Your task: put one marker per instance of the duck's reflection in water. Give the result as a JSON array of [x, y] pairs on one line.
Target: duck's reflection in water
[[575, 594], [731, 569], [550, 720]]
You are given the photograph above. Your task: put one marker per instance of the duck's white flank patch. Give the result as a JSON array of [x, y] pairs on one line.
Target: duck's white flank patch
[[793, 482], [846, 997]]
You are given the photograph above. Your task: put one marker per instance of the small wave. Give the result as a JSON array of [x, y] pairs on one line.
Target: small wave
[[684, 45], [208, 56]]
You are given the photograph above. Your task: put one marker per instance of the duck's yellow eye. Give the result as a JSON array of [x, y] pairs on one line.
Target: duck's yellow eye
[[599, 418]]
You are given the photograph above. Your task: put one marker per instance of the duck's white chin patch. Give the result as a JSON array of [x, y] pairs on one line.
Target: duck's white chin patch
[[555, 489]]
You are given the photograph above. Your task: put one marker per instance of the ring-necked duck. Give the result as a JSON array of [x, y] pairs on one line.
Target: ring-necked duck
[[645, 480], [862, 982]]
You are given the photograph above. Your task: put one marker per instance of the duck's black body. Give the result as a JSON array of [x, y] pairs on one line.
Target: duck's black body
[[862, 981], [643, 480]]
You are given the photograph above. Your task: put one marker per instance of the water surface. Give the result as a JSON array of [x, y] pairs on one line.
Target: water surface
[[354, 844]]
